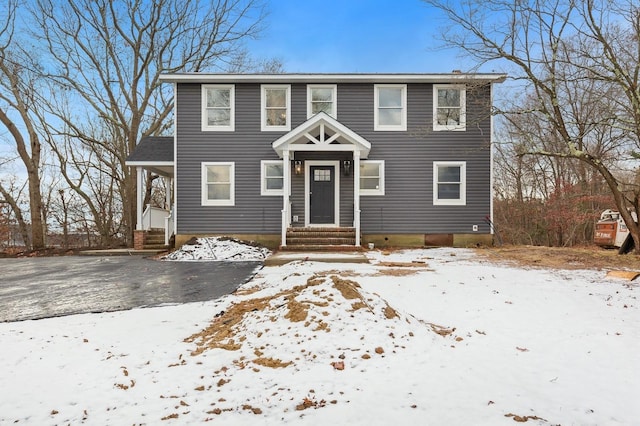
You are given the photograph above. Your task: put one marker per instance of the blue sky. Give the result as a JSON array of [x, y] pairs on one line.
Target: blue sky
[[355, 36]]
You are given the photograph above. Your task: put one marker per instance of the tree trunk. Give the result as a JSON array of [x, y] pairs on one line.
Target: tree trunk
[[35, 207]]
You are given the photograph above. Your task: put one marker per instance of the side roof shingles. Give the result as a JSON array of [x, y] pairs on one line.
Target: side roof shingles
[[153, 149]]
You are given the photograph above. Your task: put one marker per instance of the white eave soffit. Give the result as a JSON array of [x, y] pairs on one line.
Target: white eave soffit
[[298, 138], [332, 78]]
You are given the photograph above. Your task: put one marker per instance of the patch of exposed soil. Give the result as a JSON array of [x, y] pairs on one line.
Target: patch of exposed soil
[[390, 313], [298, 311], [441, 330], [348, 288], [227, 330], [397, 272], [414, 264], [272, 362], [220, 332], [591, 257]]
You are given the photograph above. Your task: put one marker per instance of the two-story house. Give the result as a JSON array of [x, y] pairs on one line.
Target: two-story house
[[326, 159]]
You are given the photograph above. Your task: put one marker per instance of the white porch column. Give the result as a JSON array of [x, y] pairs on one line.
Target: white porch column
[[356, 194], [167, 195], [286, 190], [168, 220], [140, 197]]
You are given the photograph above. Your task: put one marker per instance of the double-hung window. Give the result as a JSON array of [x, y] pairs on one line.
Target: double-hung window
[[449, 107], [322, 98], [272, 177], [218, 184], [449, 183], [218, 107], [276, 107], [372, 177], [390, 111]]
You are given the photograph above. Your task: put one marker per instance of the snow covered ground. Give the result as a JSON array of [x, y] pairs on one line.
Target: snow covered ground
[[416, 337]]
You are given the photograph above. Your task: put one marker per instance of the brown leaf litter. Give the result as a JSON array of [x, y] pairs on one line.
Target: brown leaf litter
[[413, 264], [271, 362], [523, 419], [311, 403], [441, 330], [401, 269], [589, 257], [395, 272]]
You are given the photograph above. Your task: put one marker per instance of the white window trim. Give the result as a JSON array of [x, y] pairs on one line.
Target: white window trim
[[463, 108], [205, 196], [462, 201], [403, 120], [334, 97], [263, 178], [263, 106], [232, 101], [380, 190]]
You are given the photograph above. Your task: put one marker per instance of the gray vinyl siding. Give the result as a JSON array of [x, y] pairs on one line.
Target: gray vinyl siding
[[246, 146], [406, 207]]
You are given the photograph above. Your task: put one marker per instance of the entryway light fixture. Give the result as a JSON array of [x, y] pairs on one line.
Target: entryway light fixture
[[298, 167], [346, 167]]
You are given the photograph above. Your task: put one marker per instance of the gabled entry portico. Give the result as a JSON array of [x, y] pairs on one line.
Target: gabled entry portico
[[320, 139]]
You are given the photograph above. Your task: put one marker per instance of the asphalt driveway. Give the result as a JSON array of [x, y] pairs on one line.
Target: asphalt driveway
[[34, 288]]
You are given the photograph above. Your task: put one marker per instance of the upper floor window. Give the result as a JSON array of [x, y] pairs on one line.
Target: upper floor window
[[272, 177], [372, 177], [449, 183], [218, 107], [322, 98], [390, 107], [276, 107], [218, 184], [449, 107]]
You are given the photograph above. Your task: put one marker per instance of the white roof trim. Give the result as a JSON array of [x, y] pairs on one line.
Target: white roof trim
[[287, 141], [331, 78], [148, 163]]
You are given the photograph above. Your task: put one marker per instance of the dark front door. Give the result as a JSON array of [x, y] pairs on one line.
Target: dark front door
[[322, 194]]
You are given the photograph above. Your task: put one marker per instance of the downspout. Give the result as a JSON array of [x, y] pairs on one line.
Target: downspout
[[174, 210], [356, 194], [140, 197], [491, 171]]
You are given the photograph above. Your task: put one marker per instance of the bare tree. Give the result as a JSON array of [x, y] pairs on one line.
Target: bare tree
[[11, 197], [558, 50], [18, 84], [107, 56]]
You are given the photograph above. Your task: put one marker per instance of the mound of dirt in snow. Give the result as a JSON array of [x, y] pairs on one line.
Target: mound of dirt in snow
[[326, 319], [218, 248]]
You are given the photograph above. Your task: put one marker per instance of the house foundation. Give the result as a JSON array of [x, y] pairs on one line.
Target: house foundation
[[138, 239], [272, 241]]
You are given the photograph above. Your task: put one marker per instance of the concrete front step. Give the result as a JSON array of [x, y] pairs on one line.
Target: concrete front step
[[321, 235], [155, 239], [320, 229], [156, 246], [320, 247], [321, 238], [331, 241]]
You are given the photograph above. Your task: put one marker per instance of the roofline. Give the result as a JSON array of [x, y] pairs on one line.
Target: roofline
[[148, 163], [331, 78]]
